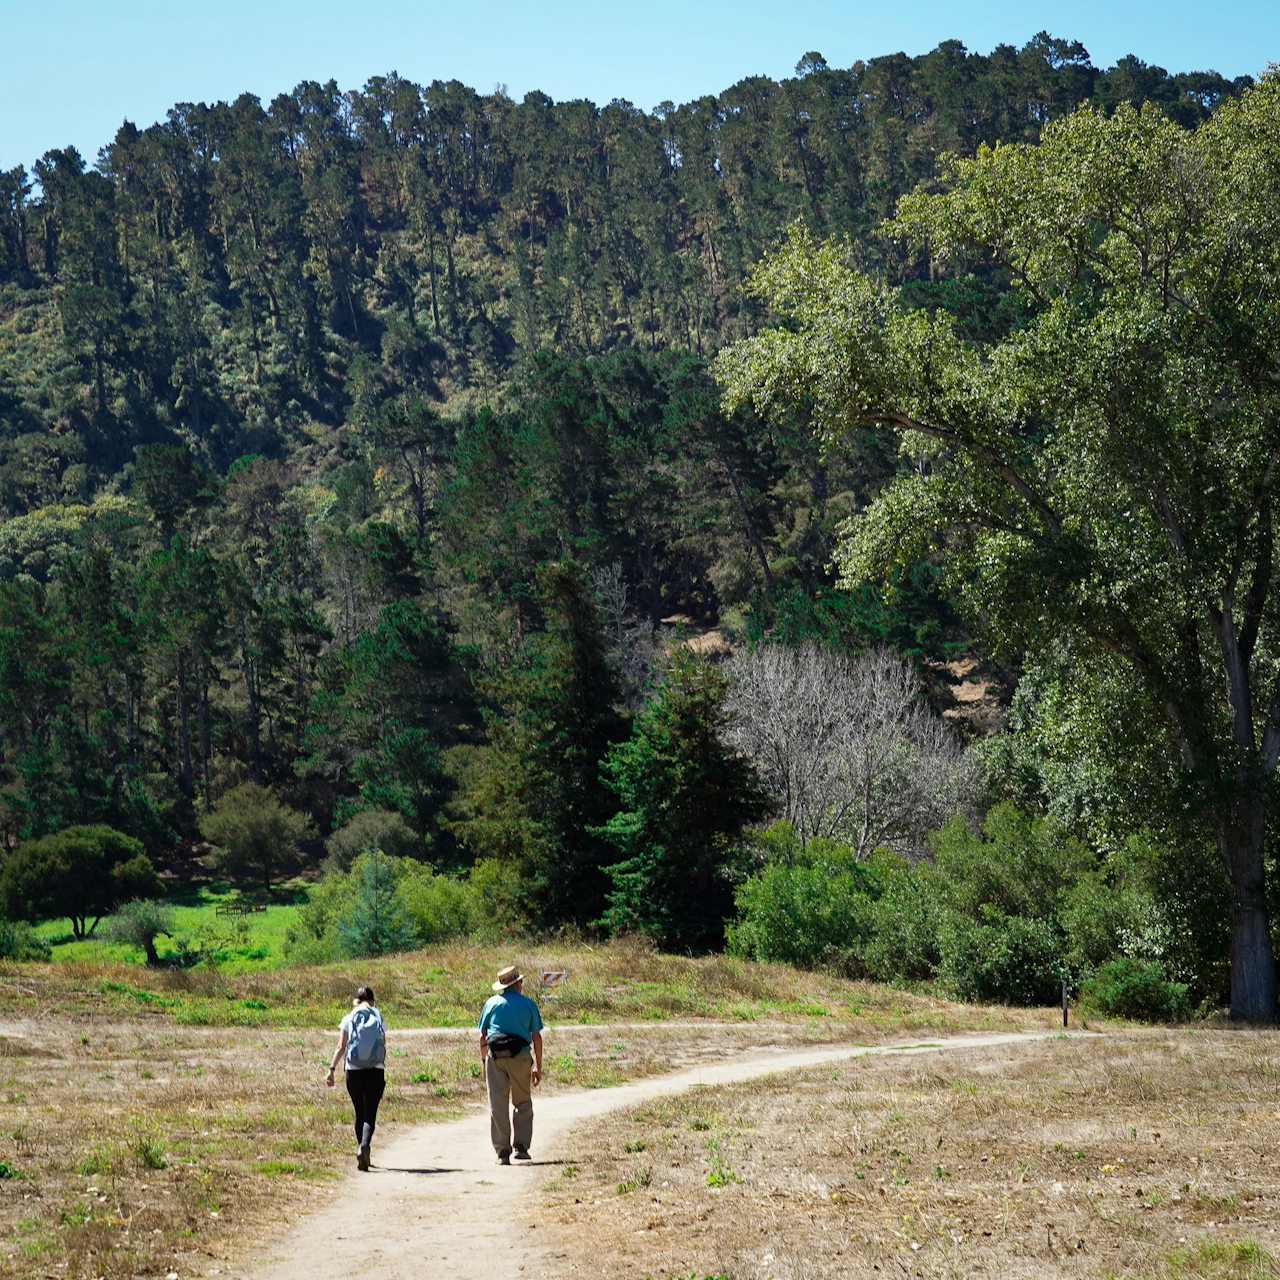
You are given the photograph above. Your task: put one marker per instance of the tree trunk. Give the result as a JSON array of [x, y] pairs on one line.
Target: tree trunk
[[185, 763], [1241, 837], [202, 692]]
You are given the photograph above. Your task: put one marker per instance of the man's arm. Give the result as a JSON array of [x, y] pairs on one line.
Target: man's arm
[[537, 1058], [484, 1050]]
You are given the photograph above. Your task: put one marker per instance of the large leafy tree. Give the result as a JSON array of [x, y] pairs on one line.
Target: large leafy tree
[[1106, 467]]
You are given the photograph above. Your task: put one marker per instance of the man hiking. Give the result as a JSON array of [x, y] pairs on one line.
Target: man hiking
[[362, 1044], [511, 1059]]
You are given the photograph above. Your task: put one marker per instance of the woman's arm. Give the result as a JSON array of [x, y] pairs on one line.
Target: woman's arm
[[337, 1055]]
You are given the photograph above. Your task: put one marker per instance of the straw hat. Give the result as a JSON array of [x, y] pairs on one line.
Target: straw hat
[[508, 977]]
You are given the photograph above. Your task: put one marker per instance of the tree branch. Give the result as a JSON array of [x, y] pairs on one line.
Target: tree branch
[[984, 453]]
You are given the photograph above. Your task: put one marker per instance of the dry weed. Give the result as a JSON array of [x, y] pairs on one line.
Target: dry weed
[[1148, 1153]]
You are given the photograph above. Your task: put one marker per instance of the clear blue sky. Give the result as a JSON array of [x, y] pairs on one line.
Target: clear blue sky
[[74, 69]]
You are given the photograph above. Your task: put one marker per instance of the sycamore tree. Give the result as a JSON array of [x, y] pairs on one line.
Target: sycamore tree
[[1107, 467]]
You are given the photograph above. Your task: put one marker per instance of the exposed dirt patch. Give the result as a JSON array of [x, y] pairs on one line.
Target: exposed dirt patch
[[1141, 1153]]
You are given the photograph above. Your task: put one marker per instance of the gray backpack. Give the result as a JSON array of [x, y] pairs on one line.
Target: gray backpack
[[367, 1040]]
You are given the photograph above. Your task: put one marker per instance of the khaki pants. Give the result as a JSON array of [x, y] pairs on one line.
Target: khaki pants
[[508, 1081]]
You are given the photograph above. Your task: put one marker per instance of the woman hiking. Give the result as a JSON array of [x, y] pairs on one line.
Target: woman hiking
[[362, 1044]]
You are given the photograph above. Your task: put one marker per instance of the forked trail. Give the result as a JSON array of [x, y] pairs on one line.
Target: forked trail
[[437, 1205]]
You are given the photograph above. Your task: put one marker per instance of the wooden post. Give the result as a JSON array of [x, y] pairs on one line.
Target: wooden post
[[1064, 1002]]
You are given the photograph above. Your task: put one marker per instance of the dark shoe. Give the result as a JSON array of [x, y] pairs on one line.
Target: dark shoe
[[522, 1153], [504, 1157], [362, 1158]]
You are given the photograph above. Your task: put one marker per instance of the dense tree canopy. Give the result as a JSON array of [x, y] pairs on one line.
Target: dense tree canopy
[[1104, 468]]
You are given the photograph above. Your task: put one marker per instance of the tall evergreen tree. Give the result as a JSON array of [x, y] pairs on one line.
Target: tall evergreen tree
[[686, 798]]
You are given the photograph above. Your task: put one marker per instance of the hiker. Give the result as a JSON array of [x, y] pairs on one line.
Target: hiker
[[362, 1043], [511, 1059]]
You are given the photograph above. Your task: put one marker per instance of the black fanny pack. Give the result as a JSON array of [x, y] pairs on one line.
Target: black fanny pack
[[505, 1045]]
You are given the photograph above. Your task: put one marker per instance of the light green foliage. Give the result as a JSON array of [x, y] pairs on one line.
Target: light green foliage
[[382, 905], [1103, 469], [812, 906], [440, 907], [1003, 914], [139, 923], [19, 941], [255, 836]]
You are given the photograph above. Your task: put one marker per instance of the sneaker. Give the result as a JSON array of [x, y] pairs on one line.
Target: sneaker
[[522, 1153], [504, 1157], [362, 1158]]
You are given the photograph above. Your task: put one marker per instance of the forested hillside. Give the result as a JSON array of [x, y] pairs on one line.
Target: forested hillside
[[358, 445]]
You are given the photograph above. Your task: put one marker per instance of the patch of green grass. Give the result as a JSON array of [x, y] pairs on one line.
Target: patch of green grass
[[237, 944], [1214, 1260]]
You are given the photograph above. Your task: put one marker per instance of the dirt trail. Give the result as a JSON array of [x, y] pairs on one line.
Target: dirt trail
[[437, 1204]]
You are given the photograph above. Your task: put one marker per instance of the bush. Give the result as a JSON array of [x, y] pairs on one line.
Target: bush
[[255, 836], [139, 924], [1006, 959], [905, 922], [1136, 989], [19, 941], [375, 920], [440, 907], [817, 913], [372, 829]]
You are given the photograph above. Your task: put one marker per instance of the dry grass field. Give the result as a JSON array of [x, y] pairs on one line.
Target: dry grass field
[[442, 987], [1151, 1153], [158, 1122]]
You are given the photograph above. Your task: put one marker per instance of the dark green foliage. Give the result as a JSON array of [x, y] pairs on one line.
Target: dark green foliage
[[372, 829], [80, 873], [999, 958], [913, 616], [1137, 989], [685, 799], [539, 799], [255, 836]]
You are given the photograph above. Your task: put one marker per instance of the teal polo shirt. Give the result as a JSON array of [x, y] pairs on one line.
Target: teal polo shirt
[[512, 1013]]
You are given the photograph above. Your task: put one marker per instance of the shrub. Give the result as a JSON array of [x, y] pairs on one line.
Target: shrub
[[375, 920], [440, 907], [1020, 865], [1009, 959], [139, 924], [19, 941], [905, 921], [1137, 989], [811, 914], [372, 829], [255, 836]]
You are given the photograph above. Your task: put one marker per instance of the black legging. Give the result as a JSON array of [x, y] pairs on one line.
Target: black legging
[[365, 1086]]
